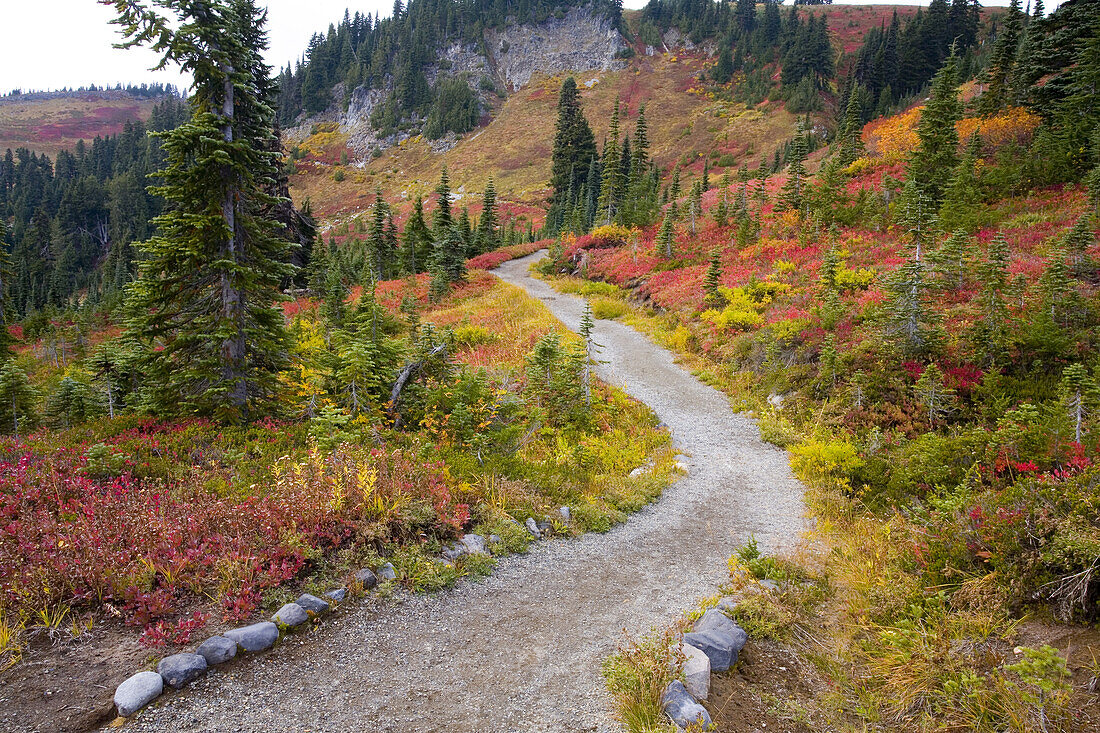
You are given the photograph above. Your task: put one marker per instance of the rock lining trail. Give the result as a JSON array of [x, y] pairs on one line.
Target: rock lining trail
[[521, 650]]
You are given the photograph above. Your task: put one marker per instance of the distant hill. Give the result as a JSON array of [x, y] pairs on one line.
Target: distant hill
[[48, 122]]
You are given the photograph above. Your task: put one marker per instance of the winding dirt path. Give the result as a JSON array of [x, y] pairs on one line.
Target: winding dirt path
[[521, 650]]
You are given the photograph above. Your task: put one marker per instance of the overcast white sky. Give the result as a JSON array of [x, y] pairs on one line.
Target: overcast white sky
[[52, 44]]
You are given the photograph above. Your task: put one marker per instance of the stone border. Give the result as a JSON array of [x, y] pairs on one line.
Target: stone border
[[714, 644], [178, 670]]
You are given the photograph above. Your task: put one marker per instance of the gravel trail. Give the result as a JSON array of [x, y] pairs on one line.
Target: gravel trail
[[521, 650]]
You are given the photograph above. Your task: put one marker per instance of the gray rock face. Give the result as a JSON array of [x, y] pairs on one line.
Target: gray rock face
[[474, 544], [255, 638], [179, 669], [696, 671], [137, 692], [727, 605], [217, 650], [313, 604], [386, 572], [770, 585], [367, 578], [337, 595], [566, 515], [533, 528], [682, 708], [291, 615], [494, 539], [715, 620]]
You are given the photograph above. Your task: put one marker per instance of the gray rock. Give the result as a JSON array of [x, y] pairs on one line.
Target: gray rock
[[179, 669], [255, 638], [727, 605], [474, 544], [217, 650], [770, 585], [367, 578], [494, 539], [715, 620], [137, 692], [313, 604], [544, 527], [717, 646], [338, 595], [386, 572], [639, 471], [696, 671], [452, 553], [682, 708], [533, 528], [566, 515], [291, 615]]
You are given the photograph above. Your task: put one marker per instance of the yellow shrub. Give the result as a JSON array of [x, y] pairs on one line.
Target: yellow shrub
[[859, 279], [824, 458]]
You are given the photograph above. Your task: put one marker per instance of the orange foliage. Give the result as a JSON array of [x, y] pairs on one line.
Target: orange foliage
[[1013, 125], [894, 137]]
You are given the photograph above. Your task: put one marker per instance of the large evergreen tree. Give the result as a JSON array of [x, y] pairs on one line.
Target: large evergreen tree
[[933, 161], [204, 303], [574, 149]]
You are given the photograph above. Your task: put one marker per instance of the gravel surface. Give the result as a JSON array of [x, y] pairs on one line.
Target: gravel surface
[[521, 650]]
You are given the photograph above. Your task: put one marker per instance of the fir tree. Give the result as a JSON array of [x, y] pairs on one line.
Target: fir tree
[[574, 147], [936, 155], [487, 236], [962, 199], [17, 399], [1000, 72], [952, 261], [712, 297], [665, 235], [612, 184], [851, 134], [795, 188], [442, 221], [209, 279], [416, 240], [1080, 394]]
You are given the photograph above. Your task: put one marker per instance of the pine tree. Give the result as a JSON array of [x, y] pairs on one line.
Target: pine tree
[[665, 235], [952, 261], [487, 236], [574, 147], [612, 184], [936, 155], [795, 188], [992, 329], [1080, 394], [448, 261], [210, 277], [1000, 71], [851, 134], [17, 399], [963, 197], [1079, 241], [416, 241], [931, 392], [712, 297], [442, 221]]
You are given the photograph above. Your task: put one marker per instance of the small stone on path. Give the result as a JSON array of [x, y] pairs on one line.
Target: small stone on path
[[533, 528]]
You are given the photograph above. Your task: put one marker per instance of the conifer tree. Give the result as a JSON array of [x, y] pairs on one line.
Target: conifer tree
[[17, 399], [1078, 242], [665, 235], [952, 261], [851, 134], [612, 185], [448, 261], [963, 196], [992, 327], [795, 188], [1000, 72], [442, 221], [1080, 394], [931, 392], [209, 278], [931, 161], [574, 149], [712, 297], [416, 240], [487, 236]]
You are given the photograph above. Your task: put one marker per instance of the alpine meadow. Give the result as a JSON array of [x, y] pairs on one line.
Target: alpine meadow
[[701, 365]]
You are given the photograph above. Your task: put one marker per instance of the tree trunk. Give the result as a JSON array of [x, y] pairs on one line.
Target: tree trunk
[[234, 348]]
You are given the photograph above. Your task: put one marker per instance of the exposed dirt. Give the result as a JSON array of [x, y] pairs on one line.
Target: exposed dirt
[[771, 689]]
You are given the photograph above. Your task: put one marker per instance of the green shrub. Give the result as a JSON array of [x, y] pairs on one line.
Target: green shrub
[[607, 309]]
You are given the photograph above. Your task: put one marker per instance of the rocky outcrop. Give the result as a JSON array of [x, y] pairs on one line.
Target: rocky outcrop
[[578, 41]]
